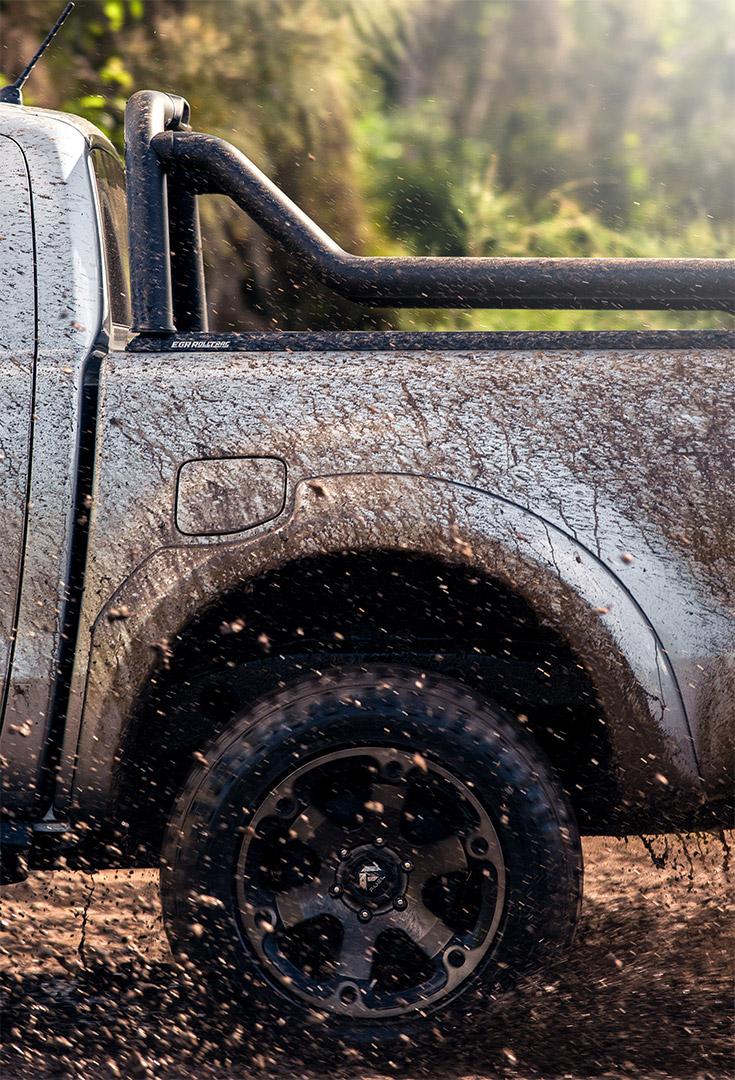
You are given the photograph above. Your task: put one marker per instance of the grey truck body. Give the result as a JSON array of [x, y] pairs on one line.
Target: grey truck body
[[139, 490]]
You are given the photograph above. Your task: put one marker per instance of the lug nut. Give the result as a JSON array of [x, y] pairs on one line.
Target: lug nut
[[379, 840], [407, 864], [344, 853], [400, 903], [335, 889], [364, 915]]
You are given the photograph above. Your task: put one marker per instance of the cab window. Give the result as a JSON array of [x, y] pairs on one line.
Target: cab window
[[110, 178]]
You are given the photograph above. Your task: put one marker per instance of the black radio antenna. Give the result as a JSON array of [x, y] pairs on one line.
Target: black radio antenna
[[13, 93]]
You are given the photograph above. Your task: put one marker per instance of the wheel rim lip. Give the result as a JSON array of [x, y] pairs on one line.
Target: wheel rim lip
[[290, 980]]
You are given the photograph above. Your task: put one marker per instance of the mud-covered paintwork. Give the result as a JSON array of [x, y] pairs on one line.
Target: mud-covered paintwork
[[70, 316], [596, 483], [17, 354], [227, 495]]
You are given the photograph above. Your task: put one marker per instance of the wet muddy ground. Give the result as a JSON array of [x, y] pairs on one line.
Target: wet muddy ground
[[89, 988]]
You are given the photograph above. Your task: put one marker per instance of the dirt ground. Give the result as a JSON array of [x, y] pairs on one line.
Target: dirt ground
[[89, 988]]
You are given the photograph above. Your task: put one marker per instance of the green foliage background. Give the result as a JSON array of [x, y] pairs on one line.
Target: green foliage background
[[462, 127]]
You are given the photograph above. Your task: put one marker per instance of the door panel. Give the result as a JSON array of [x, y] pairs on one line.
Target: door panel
[[17, 348]]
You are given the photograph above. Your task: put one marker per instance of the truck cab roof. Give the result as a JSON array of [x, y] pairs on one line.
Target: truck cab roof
[[74, 184], [20, 121]]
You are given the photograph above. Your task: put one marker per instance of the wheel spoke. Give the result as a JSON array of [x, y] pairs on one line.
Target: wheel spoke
[[441, 857], [389, 803], [306, 902], [317, 830], [422, 926], [358, 948]]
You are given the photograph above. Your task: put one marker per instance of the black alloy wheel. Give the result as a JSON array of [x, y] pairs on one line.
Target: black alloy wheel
[[370, 883], [369, 849]]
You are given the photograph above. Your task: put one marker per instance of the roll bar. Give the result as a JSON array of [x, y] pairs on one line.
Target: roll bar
[[166, 267], [163, 155]]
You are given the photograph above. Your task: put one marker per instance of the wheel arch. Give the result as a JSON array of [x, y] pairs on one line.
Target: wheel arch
[[565, 584]]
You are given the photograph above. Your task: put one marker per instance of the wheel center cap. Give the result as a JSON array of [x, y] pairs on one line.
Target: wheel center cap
[[371, 877]]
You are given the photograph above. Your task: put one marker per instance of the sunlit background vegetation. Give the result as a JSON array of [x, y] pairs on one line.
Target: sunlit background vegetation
[[447, 127]]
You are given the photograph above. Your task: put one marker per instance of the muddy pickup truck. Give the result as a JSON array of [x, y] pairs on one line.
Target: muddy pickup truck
[[351, 633]]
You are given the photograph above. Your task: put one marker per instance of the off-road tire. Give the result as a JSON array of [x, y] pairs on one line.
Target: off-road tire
[[442, 725]]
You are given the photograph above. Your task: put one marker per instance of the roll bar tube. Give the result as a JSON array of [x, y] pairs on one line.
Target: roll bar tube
[[204, 164], [166, 267]]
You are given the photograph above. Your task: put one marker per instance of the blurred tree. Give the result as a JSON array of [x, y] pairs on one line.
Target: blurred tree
[[555, 127]]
